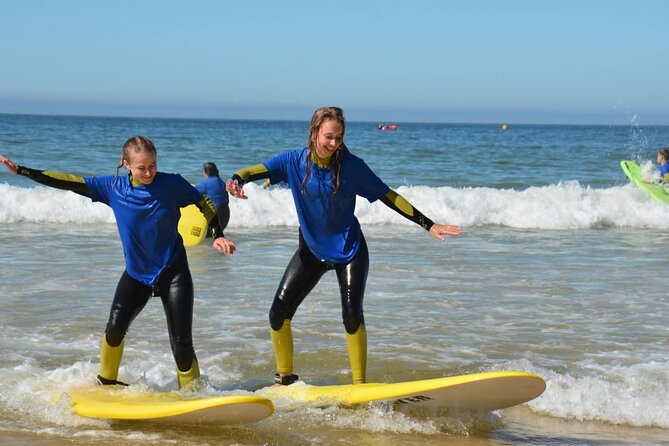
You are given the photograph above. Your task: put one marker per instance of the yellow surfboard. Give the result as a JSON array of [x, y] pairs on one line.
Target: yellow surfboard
[[192, 225], [126, 404], [481, 391]]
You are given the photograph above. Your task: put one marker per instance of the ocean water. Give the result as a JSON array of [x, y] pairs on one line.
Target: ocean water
[[560, 271]]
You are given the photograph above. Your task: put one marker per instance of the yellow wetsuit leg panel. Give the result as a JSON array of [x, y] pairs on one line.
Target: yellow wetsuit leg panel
[[110, 359], [357, 354], [282, 340], [184, 378]]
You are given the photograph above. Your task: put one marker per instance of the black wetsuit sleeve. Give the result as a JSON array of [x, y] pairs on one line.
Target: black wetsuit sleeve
[[253, 173], [400, 205], [208, 209], [58, 180]]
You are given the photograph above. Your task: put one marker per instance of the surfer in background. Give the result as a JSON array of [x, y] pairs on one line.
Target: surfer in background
[[146, 204], [663, 161], [213, 187], [325, 178]]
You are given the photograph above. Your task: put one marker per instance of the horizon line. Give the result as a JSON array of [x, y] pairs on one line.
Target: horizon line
[[361, 121]]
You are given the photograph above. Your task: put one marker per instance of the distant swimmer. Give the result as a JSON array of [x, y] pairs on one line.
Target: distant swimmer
[[387, 126], [325, 178], [146, 206]]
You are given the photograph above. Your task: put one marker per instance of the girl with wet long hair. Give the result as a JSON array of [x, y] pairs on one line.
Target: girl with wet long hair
[[325, 178]]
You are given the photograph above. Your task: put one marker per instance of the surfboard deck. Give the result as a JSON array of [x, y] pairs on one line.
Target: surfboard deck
[[480, 391], [656, 191], [192, 225], [124, 404]]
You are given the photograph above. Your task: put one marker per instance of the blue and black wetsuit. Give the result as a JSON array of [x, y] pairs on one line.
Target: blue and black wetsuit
[[156, 263], [214, 188], [330, 238]]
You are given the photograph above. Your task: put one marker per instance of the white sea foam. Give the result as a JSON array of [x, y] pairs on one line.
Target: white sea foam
[[566, 205], [634, 396], [47, 205], [637, 395]]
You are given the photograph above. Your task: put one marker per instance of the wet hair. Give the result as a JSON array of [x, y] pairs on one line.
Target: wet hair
[[210, 169], [664, 151], [320, 116], [136, 144]]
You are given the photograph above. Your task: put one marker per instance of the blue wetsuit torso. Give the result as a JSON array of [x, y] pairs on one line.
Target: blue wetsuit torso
[[664, 172], [327, 220], [147, 217], [214, 188]]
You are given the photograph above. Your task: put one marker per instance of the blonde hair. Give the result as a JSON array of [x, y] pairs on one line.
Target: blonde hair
[[319, 117], [135, 144]]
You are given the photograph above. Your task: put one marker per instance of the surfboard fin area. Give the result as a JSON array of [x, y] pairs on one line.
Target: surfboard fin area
[[480, 391]]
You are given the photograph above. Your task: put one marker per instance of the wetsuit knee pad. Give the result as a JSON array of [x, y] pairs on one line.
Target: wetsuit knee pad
[[352, 322], [277, 314], [114, 336]]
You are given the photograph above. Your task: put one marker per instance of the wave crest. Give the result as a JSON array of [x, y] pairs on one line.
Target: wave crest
[[564, 206]]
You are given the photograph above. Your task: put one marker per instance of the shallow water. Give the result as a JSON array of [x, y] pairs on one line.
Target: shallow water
[[561, 278]]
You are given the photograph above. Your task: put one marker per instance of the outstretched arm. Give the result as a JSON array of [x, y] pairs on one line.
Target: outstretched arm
[[235, 185], [221, 243], [400, 205], [49, 178], [13, 168]]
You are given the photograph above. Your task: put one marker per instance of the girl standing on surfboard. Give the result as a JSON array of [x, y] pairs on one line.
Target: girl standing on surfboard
[[325, 178], [146, 206]]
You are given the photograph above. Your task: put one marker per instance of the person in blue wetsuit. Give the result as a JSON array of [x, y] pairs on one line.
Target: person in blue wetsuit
[[325, 178], [213, 187], [663, 161], [146, 206]]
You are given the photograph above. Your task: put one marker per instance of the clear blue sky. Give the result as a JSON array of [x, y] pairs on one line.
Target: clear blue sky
[[585, 61]]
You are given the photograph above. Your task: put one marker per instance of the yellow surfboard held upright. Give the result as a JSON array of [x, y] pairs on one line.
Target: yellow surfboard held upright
[[192, 225]]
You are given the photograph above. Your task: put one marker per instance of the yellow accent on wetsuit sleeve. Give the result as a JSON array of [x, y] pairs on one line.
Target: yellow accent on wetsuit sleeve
[[207, 207], [63, 176], [282, 341], [400, 202], [58, 180], [253, 173], [665, 178]]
